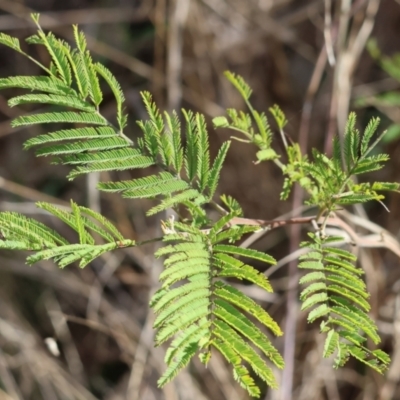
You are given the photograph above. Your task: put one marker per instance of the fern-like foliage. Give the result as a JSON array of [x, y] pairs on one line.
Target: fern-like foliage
[[21, 233], [202, 311], [260, 134], [329, 180], [188, 177], [334, 285], [336, 294], [196, 308], [335, 291], [73, 84]]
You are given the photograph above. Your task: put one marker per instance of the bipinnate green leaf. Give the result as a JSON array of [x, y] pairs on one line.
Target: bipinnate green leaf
[[195, 311], [228, 335], [231, 267], [369, 131], [238, 299], [82, 134], [279, 116], [115, 87], [20, 232], [27, 233], [331, 343], [235, 233], [266, 155], [195, 307], [220, 122], [185, 355], [107, 225], [60, 117], [249, 253], [241, 373], [232, 204], [337, 295], [10, 41], [215, 171], [188, 194], [174, 137], [64, 101], [45, 84], [203, 152], [193, 334], [238, 82], [351, 141]]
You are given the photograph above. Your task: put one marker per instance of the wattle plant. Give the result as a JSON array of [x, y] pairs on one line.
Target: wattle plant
[[196, 306]]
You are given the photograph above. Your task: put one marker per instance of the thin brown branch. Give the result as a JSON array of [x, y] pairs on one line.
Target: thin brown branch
[[179, 10], [28, 193], [328, 33], [270, 224]]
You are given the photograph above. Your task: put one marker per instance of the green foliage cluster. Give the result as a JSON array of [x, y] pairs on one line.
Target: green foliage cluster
[[21, 233], [196, 308], [337, 294], [206, 311]]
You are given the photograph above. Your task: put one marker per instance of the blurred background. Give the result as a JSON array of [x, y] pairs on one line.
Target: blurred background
[[309, 57]]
